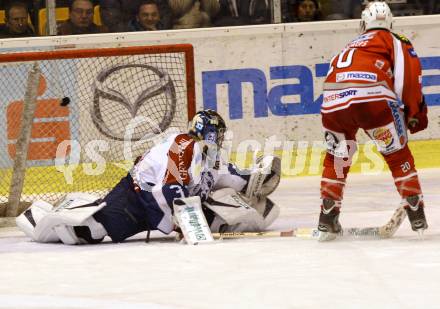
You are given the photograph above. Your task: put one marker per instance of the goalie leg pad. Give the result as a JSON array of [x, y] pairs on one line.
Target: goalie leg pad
[[90, 232], [72, 211], [27, 221], [268, 209]]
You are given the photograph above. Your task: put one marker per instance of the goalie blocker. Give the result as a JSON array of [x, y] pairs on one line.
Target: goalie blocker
[[224, 211]]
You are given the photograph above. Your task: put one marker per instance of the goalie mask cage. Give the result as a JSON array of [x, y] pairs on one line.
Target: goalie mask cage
[[74, 120]]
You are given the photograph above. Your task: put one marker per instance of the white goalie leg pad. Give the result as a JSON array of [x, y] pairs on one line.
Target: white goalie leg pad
[[68, 236], [78, 198], [265, 177], [236, 213], [74, 210], [267, 209], [27, 221]]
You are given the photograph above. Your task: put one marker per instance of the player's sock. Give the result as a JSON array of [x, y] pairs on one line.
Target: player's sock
[[332, 190], [402, 167]]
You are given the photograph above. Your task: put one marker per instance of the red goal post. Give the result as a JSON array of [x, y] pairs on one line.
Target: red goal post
[[73, 120]]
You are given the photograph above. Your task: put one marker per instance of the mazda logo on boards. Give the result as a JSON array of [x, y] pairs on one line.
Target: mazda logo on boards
[[123, 92]]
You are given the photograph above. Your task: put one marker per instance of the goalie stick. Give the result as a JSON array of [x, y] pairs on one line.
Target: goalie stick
[[385, 231]]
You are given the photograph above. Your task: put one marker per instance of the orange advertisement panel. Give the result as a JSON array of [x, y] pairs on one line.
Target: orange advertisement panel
[[50, 127]]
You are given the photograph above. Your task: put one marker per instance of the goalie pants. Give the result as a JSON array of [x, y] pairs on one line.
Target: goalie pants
[[128, 212], [381, 121]]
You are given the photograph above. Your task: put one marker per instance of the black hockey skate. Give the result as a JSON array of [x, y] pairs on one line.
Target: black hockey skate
[[416, 214], [329, 225]]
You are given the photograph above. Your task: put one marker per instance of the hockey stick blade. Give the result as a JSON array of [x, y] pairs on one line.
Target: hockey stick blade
[[390, 228]]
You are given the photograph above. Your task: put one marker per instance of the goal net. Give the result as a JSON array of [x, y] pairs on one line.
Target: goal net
[[75, 120]]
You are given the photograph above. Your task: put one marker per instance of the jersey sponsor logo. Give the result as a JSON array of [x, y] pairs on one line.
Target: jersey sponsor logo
[[357, 44], [402, 38], [384, 135], [412, 52], [398, 121], [374, 92], [340, 95], [389, 138], [356, 75], [331, 140], [336, 144], [179, 160], [361, 40], [379, 64], [182, 167]]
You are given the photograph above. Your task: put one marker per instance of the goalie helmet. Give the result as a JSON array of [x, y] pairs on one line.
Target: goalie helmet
[[208, 126], [376, 15]]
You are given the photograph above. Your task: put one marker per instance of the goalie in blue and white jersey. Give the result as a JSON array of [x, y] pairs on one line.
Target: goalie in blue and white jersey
[[184, 165]]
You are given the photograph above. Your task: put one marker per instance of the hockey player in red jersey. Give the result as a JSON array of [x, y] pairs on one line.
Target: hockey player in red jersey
[[374, 84]]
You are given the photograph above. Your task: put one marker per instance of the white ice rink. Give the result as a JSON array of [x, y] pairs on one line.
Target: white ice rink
[[402, 272]]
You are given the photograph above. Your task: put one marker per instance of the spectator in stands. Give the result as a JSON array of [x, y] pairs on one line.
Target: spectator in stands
[[303, 10], [117, 14], [434, 8], [340, 9], [17, 21], [147, 17], [190, 13], [243, 12], [80, 20]]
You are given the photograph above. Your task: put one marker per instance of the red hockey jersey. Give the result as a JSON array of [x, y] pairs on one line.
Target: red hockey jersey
[[378, 65]]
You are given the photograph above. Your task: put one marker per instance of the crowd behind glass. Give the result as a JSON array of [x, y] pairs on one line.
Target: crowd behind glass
[[28, 18]]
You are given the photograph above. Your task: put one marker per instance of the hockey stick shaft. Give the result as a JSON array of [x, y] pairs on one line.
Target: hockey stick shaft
[[231, 235], [385, 231], [305, 233]]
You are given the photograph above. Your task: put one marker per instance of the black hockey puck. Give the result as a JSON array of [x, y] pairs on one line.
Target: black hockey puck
[[65, 101]]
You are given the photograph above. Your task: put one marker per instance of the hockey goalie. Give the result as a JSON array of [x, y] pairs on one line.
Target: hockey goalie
[[185, 169]]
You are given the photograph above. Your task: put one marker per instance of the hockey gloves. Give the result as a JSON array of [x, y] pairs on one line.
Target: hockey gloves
[[419, 121]]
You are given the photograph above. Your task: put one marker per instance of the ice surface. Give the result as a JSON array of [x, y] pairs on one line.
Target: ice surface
[[402, 272]]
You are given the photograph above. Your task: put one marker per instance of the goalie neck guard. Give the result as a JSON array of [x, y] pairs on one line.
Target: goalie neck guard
[[376, 15], [208, 126]]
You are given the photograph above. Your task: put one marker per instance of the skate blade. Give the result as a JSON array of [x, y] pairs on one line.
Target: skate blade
[[326, 236], [421, 234]]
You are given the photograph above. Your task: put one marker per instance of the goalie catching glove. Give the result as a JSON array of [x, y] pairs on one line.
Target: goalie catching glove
[[265, 177], [230, 211]]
